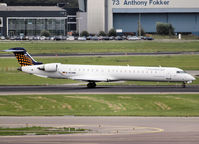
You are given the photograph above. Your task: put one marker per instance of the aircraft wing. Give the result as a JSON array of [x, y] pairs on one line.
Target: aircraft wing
[[91, 78]]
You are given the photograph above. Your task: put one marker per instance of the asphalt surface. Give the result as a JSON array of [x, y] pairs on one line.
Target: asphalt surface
[[68, 89], [108, 130]]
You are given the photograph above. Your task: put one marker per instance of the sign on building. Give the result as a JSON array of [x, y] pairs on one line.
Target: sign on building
[[119, 30]]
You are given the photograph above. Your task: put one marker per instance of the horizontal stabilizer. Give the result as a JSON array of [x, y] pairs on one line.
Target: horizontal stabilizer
[[12, 50]]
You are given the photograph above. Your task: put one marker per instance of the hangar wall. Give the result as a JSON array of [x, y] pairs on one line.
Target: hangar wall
[[148, 21], [181, 22], [124, 14], [184, 22], [129, 22]]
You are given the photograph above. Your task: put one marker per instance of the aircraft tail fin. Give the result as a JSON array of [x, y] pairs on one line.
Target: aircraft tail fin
[[23, 56]]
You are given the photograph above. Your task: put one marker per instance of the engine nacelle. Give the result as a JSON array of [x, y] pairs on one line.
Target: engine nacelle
[[49, 67]]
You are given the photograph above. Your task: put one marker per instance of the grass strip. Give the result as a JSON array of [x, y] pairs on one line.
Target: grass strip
[[39, 131], [100, 105], [188, 62], [36, 47]]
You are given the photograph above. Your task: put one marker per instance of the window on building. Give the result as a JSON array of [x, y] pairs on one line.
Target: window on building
[[34, 27], [1, 22]]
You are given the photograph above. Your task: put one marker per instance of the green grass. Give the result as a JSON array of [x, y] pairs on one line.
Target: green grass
[[103, 47], [188, 62], [38, 131], [20, 78], [10, 76], [100, 105]]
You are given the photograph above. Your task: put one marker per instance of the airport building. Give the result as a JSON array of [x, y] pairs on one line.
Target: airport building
[[124, 15], [31, 20], [100, 15]]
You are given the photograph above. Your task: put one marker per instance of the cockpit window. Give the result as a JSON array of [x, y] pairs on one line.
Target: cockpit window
[[180, 72]]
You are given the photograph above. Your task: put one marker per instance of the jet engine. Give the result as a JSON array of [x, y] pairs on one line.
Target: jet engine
[[49, 67]]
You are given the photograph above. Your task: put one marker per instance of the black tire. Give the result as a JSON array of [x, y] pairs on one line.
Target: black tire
[[91, 85], [184, 84]]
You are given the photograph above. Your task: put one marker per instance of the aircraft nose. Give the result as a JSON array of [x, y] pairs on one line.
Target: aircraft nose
[[191, 78]]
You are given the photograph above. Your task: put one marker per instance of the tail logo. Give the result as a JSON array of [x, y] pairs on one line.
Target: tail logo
[[23, 60], [23, 57]]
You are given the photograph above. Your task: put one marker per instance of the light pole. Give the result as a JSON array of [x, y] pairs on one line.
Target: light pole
[[139, 25], [79, 24]]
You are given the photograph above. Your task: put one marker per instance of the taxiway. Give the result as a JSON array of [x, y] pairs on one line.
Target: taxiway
[[75, 89], [108, 130]]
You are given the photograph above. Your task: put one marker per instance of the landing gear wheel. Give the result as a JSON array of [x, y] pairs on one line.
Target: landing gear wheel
[[184, 84], [91, 85]]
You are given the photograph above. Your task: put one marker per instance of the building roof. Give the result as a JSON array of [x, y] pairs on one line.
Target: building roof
[[156, 10], [30, 8]]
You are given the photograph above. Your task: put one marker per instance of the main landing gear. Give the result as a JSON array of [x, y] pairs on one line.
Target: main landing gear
[[184, 84], [91, 85]]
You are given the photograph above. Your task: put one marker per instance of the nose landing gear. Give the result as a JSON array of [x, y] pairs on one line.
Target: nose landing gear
[[91, 85]]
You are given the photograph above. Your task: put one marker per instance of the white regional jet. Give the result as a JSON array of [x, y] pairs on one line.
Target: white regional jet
[[99, 73]]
